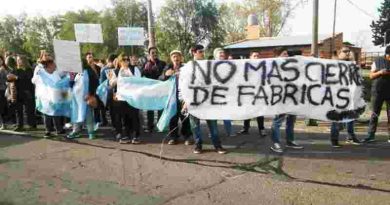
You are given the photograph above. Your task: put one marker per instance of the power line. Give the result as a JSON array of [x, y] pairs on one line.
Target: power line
[[360, 9]]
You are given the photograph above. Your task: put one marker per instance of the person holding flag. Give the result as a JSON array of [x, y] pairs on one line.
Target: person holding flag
[[174, 70], [50, 97]]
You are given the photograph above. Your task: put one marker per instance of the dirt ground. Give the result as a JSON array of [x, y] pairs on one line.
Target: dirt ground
[[57, 171]]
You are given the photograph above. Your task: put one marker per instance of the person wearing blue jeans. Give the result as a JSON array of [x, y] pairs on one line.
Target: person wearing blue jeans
[[198, 53], [228, 128], [275, 132], [335, 131], [213, 128]]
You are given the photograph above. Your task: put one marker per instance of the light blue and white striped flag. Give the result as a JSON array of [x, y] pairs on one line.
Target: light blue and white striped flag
[[149, 94], [52, 94], [102, 92], [79, 91]]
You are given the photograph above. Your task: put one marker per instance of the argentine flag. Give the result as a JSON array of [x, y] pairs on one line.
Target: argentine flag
[[52, 94], [149, 94], [79, 92]]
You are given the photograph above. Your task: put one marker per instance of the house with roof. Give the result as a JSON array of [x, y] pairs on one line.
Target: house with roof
[[267, 45]]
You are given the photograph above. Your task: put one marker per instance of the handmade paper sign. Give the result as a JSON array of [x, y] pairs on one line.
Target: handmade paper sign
[[319, 89], [67, 56], [88, 33], [131, 36]]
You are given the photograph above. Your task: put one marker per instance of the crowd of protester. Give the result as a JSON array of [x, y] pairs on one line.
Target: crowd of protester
[[17, 100]]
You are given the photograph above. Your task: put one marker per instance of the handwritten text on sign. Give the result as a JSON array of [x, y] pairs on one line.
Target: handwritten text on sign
[[320, 89], [131, 36], [88, 33]]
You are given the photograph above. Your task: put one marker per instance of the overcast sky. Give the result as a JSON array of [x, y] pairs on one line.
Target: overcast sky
[[353, 20]]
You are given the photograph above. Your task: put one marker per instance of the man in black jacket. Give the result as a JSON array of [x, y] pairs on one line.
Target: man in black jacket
[[171, 70], [380, 76], [153, 70]]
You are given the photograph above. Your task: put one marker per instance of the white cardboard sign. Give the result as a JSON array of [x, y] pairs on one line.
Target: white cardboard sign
[[88, 33], [68, 56], [131, 36]]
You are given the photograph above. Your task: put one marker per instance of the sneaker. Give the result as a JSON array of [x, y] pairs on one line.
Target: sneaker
[[293, 145], [220, 150], [18, 129], [243, 132], [368, 140], [335, 144], [135, 141], [148, 130], [124, 140], [118, 136], [47, 135], [188, 142], [353, 140], [276, 148], [68, 126], [172, 142], [96, 126], [232, 135], [91, 136], [198, 149], [73, 135], [262, 133]]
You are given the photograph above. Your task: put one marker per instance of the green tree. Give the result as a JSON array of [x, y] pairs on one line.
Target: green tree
[[273, 16], [381, 27], [181, 24], [39, 34], [12, 33]]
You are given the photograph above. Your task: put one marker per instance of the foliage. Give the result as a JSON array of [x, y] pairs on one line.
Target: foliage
[[182, 24], [381, 27], [273, 16]]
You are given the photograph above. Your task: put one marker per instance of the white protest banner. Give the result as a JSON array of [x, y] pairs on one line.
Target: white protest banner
[[131, 36], [321, 89], [88, 33], [68, 56]]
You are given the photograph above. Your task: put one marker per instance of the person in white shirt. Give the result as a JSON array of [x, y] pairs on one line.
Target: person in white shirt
[[125, 114]]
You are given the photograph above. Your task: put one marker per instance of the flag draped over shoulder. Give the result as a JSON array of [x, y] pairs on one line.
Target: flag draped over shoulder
[[149, 94], [102, 92], [79, 92], [52, 94]]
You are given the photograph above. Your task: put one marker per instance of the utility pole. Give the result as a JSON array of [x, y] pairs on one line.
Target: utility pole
[[152, 42], [314, 45], [332, 45], [314, 48]]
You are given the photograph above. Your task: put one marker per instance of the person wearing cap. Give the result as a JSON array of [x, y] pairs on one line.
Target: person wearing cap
[[380, 76], [171, 70], [153, 70], [198, 53], [220, 54]]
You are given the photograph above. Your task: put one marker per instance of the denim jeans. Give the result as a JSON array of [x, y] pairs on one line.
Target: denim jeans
[[196, 130], [277, 123], [228, 127], [89, 122], [335, 130]]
